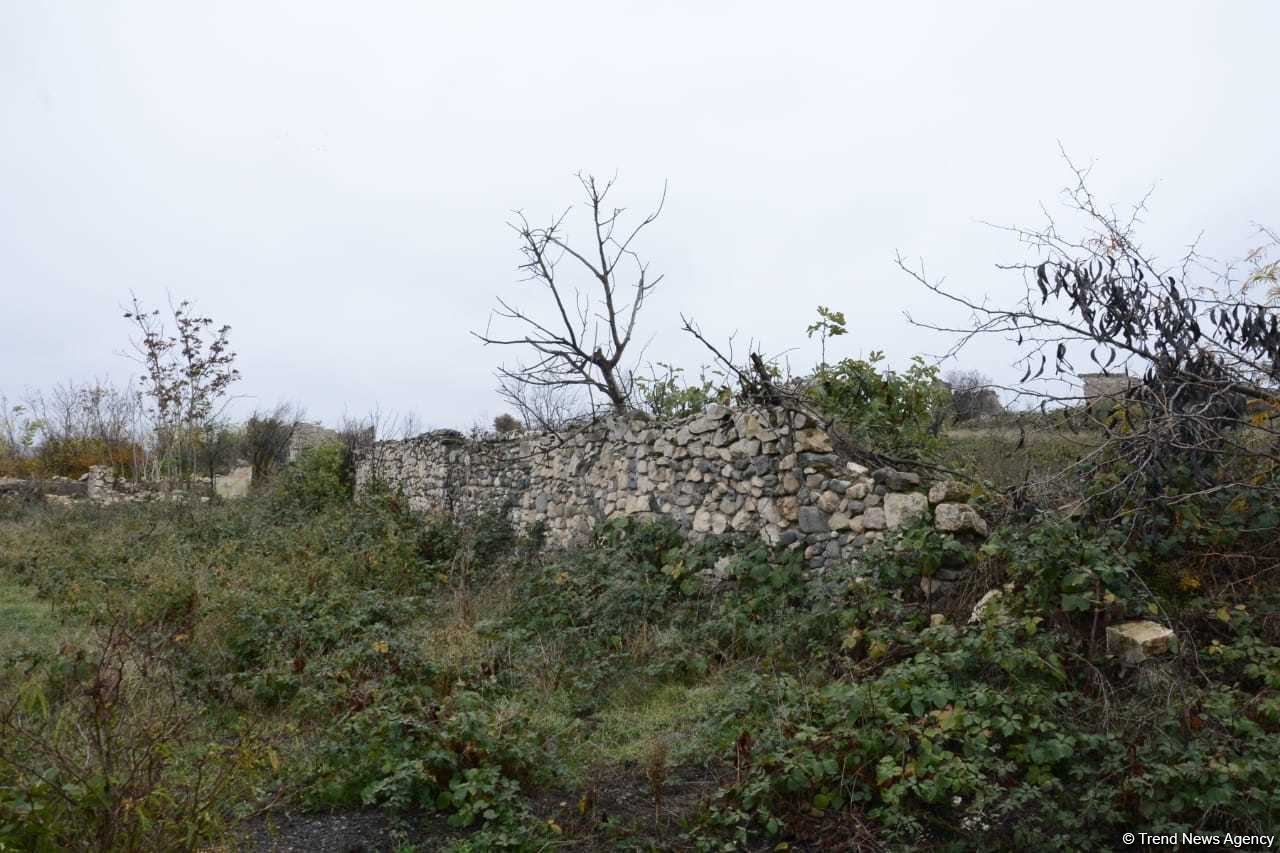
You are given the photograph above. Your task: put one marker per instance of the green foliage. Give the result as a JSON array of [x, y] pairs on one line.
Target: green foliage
[[830, 324], [320, 477], [896, 413], [356, 655], [918, 550], [997, 735], [101, 750], [410, 751], [1069, 569], [877, 408], [667, 396]]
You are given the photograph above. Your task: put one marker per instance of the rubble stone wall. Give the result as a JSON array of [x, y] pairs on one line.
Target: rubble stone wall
[[771, 474], [307, 436]]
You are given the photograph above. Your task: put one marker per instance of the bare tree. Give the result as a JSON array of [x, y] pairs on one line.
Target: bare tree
[[546, 408], [1205, 355], [587, 339], [74, 425]]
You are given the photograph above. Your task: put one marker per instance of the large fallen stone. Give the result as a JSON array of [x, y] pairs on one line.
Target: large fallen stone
[[1136, 641], [235, 483]]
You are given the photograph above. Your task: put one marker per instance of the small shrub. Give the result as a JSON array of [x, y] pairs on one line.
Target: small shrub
[[884, 410], [505, 424], [320, 477], [103, 751]]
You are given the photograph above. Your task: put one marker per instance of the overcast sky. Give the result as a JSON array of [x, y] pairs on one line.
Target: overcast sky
[[333, 179]]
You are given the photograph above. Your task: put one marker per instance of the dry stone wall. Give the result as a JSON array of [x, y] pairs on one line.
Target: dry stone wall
[[771, 474], [307, 436]]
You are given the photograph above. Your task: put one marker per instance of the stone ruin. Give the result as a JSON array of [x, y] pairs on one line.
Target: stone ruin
[[773, 474], [1103, 387], [308, 436], [100, 485]]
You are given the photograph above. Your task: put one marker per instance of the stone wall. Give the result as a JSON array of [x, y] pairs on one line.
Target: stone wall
[[1106, 386], [307, 436], [770, 474]]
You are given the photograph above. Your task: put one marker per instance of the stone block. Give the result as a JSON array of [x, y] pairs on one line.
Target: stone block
[[702, 521], [903, 508], [896, 481], [813, 440], [958, 518], [948, 491], [1136, 641], [813, 520]]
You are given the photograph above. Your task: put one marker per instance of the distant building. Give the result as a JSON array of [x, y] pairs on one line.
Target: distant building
[[308, 436], [1106, 386]]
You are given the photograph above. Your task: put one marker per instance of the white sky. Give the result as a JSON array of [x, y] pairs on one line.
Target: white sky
[[333, 179]]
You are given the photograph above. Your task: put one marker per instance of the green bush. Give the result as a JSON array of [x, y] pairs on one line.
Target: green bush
[[365, 656], [319, 477], [879, 409], [103, 750], [1006, 734]]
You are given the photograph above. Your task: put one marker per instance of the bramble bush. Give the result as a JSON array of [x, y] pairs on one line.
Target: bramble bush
[[371, 657]]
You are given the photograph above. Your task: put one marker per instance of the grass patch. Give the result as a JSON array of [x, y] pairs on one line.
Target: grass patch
[[27, 624]]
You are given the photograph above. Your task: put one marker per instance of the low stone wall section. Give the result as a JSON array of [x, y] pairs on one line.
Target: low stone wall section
[[767, 473]]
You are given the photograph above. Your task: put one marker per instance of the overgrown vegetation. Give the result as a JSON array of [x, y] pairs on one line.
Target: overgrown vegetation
[[177, 675], [296, 650]]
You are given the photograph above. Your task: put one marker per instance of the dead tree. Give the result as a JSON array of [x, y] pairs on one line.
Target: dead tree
[[1202, 409], [545, 408], [586, 340]]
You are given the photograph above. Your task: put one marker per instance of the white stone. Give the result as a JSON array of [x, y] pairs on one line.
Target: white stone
[[903, 508], [813, 441], [858, 490], [948, 490], [958, 518], [984, 605], [235, 483], [1138, 640]]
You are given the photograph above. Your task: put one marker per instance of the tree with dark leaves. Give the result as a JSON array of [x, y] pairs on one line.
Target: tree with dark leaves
[[1203, 411]]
